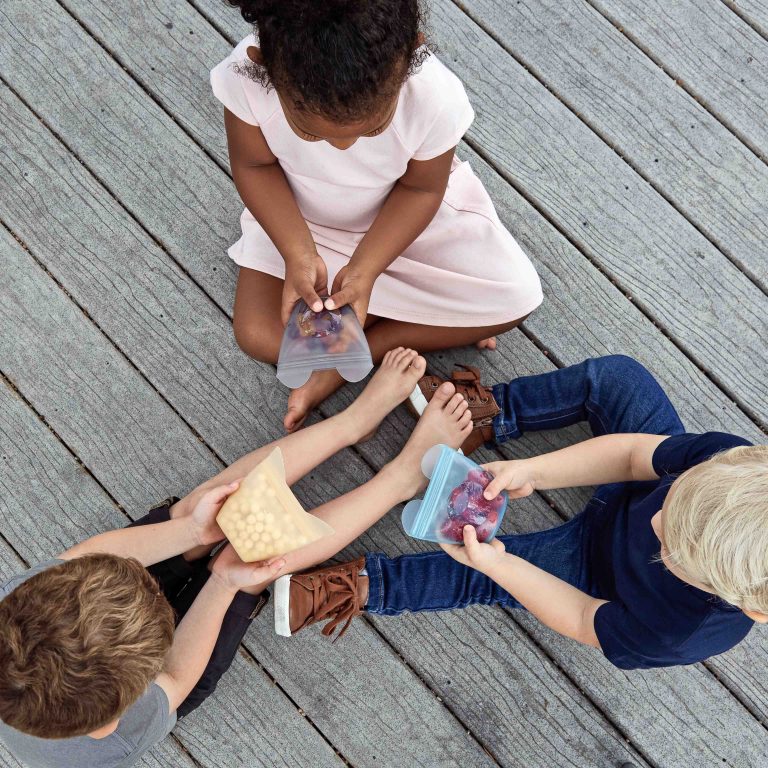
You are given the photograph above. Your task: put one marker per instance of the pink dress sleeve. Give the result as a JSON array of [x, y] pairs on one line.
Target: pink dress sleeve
[[453, 114], [231, 89]]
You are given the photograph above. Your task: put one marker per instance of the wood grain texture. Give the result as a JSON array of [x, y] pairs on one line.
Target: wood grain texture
[[696, 163], [754, 11], [614, 217], [717, 55]]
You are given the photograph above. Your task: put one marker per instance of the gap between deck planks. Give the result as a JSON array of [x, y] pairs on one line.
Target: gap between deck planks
[[712, 53], [322, 492], [755, 12], [689, 157]]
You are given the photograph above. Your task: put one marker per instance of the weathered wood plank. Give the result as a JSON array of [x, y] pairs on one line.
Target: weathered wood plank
[[112, 413], [682, 281], [719, 57], [754, 11], [709, 175]]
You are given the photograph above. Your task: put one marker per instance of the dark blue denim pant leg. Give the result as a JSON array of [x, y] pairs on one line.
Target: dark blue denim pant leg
[[614, 394]]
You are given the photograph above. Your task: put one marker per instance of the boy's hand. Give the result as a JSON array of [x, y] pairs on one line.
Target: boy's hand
[[203, 519], [481, 557], [353, 288], [515, 477], [238, 575], [306, 279]]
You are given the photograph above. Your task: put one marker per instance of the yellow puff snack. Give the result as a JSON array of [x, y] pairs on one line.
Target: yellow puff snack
[[263, 518]]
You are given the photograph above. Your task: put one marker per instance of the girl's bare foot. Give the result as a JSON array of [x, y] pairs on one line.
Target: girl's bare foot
[[446, 420], [489, 343], [301, 401], [394, 380]]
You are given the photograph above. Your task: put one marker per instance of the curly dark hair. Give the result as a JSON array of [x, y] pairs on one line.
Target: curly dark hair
[[336, 58]]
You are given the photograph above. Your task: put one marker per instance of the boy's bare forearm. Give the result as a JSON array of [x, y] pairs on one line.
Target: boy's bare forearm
[[149, 544], [605, 459], [551, 600], [194, 640]]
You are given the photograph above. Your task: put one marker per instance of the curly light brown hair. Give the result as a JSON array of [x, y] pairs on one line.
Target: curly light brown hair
[[79, 643]]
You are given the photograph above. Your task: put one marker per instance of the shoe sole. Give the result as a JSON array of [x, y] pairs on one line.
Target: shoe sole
[[282, 603]]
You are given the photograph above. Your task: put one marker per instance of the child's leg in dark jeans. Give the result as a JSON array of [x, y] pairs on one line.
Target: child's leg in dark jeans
[[614, 394], [181, 582]]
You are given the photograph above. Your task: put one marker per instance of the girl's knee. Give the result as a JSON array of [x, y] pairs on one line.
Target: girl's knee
[[621, 370], [254, 342]]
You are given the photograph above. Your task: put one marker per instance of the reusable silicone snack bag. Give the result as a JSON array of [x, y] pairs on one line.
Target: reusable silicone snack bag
[[319, 341], [263, 518], [454, 498]]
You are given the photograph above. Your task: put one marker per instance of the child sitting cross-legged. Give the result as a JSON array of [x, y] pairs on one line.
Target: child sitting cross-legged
[[93, 671], [666, 565]]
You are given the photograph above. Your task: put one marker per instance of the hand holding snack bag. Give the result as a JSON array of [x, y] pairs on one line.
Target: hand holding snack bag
[[263, 519]]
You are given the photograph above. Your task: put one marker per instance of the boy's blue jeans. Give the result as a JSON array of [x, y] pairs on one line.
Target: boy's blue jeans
[[614, 394]]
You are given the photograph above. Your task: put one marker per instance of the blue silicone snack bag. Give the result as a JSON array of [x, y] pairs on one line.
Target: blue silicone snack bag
[[320, 341], [454, 498]]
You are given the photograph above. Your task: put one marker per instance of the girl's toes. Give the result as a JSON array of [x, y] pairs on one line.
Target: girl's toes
[[466, 418], [461, 407], [454, 403], [442, 396], [406, 359], [385, 360], [419, 365]]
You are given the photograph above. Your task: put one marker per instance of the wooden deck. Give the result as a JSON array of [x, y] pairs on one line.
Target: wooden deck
[[625, 145]]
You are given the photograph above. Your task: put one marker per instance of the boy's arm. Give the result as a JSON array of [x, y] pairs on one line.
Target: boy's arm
[[551, 600], [150, 544], [263, 188], [196, 635], [406, 213], [606, 459]]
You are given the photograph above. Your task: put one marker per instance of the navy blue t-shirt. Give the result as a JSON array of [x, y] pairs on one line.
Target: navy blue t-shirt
[[654, 619]]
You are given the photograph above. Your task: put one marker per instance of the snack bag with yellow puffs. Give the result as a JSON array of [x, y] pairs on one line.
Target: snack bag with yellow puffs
[[263, 519]]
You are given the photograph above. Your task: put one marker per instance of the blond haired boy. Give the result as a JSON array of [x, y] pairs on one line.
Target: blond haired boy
[[668, 563]]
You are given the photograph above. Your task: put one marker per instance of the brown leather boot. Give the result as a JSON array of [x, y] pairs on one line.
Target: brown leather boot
[[335, 593], [482, 406]]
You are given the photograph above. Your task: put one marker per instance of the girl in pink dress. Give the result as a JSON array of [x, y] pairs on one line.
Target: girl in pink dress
[[342, 127]]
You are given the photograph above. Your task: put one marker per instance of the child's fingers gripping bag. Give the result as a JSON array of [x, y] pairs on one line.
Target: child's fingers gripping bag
[[263, 518], [454, 498], [318, 341]]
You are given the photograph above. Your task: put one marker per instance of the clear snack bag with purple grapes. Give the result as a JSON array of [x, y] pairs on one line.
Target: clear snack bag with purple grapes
[[319, 341], [454, 498]]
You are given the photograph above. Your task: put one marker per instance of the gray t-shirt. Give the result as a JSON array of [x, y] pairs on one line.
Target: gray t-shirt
[[143, 724]]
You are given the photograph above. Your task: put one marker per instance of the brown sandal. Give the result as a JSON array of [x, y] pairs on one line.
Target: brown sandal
[[482, 406]]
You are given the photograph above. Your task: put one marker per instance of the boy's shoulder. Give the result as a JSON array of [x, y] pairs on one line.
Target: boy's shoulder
[[7, 586], [145, 723], [680, 452]]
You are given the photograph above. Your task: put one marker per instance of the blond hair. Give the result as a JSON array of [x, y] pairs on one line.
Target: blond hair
[[716, 526], [79, 643]]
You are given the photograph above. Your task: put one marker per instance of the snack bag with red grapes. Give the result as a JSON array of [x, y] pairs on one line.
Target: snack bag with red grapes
[[454, 498], [318, 341]]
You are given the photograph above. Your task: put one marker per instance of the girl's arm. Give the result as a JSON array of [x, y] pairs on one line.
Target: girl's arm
[[606, 459], [149, 544], [555, 603], [410, 206], [263, 188]]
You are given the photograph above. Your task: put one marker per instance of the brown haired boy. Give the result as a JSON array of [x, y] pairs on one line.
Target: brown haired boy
[[91, 671]]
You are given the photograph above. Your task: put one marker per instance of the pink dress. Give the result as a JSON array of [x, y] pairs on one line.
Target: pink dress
[[464, 270]]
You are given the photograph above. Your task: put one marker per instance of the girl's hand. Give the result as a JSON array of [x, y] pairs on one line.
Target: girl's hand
[[306, 279], [238, 575], [515, 477], [481, 557], [203, 518], [353, 288]]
